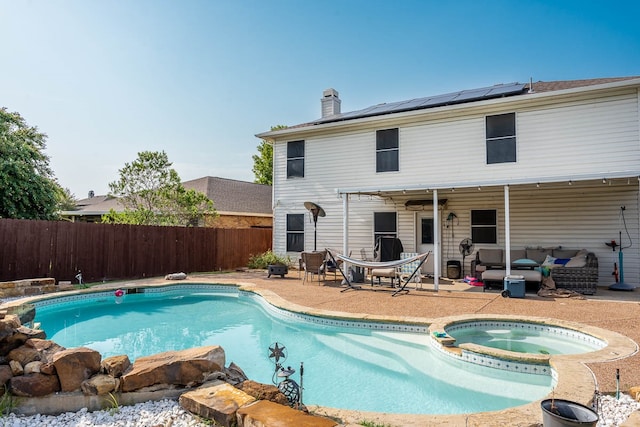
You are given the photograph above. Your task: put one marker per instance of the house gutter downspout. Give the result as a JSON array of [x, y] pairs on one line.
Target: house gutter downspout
[[507, 231], [436, 242]]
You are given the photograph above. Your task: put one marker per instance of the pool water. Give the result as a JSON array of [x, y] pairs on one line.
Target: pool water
[[527, 340], [344, 367]]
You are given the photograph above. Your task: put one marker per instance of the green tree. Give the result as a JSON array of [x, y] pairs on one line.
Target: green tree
[[28, 189], [66, 200], [263, 161], [152, 194]]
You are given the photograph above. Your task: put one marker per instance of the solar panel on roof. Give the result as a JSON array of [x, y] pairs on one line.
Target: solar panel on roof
[[467, 95], [414, 103], [430, 102], [506, 89]]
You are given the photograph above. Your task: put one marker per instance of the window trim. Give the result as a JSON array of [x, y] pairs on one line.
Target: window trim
[[290, 170], [387, 150], [501, 140]]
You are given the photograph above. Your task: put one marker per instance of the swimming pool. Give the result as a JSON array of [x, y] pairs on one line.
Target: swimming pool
[[380, 367]]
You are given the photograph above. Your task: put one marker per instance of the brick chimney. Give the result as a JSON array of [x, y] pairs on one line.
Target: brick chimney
[[330, 102]]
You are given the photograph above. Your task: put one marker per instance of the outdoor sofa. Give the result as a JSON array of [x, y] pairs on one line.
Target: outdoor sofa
[[573, 269]]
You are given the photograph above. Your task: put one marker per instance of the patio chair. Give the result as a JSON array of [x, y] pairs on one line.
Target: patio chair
[[405, 270], [314, 263]]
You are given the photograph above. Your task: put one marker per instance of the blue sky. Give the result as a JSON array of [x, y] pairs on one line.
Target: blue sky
[[198, 79]]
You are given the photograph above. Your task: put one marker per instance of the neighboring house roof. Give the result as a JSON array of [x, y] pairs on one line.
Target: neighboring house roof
[[96, 205], [460, 97], [229, 197]]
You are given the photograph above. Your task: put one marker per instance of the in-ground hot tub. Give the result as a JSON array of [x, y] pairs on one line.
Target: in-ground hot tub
[[524, 337]]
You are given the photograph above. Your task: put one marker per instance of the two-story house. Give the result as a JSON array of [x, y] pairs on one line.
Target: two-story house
[[539, 164]]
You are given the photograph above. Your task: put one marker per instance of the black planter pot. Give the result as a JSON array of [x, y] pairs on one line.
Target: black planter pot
[[565, 413]]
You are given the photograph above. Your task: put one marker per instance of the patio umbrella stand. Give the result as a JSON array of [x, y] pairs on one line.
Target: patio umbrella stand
[[316, 211]]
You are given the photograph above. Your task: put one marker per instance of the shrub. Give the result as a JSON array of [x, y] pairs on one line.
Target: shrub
[[267, 258]]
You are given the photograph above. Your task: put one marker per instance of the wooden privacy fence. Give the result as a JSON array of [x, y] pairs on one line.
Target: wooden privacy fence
[[59, 249]]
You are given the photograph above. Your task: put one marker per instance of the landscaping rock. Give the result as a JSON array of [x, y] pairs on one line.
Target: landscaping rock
[[5, 374], [23, 354], [264, 392], [16, 367], [115, 365], [34, 385], [264, 413], [23, 333], [75, 365], [185, 367], [32, 367], [99, 384], [48, 368], [234, 375], [7, 329], [46, 348], [218, 402]]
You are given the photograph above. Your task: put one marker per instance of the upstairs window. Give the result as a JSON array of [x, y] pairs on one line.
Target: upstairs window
[[387, 150], [295, 232], [295, 159], [484, 226], [501, 138]]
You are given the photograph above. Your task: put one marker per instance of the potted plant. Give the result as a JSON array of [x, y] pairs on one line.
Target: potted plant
[[565, 413]]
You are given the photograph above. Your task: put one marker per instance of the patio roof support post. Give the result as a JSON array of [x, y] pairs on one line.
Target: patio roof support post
[[507, 231], [345, 228], [436, 242]]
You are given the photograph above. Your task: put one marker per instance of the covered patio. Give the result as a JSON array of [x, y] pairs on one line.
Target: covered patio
[[584, 211]]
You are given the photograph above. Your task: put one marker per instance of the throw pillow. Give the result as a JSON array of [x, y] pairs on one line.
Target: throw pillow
[[577, 261], [561, 261], [525, 262], [548, 261]]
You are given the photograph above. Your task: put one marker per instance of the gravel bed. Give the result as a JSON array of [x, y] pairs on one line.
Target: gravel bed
[[164, 413], [613, 412]]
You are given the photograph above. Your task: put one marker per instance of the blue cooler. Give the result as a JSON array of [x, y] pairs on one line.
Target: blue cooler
[[514, 287]]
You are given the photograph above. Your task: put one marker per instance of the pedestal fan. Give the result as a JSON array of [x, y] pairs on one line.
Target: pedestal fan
[[465, 247]]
